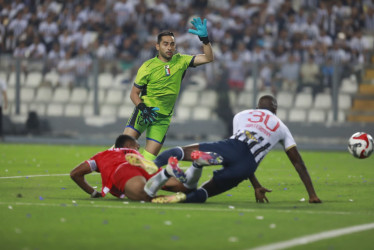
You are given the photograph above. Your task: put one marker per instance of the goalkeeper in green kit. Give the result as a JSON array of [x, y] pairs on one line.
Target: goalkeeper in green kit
[[157, 85]]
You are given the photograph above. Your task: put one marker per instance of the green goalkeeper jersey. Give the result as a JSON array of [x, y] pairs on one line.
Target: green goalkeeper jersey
[[160, 81]]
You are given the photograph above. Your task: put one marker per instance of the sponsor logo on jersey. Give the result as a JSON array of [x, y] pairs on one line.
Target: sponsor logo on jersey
[[250, 136]]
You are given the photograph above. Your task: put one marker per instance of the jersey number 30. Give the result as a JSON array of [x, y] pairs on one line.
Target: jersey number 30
[[269, 121]]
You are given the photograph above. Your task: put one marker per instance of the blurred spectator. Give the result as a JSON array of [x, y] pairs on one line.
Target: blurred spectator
[[3, 105], [96, 16], [29, 34], [173, 17], [83, 65], [237, 72], [36, 53], [72, 23], [271, 26], [124, 11], [369, 19], [266, 79], [310, 28], [107, 53], [66, 71], [20, 53], [2, 34], [48, 30], [42, 12], [54, 57], [259, 55], [128, 54], [17, 25], [36, 50], [324, 38], [327, 71], [358, 42], [10, 43], [217, 32], [244, 53], [118, 38], [310, 76], [82, 38], [290, 74], [280, 54]]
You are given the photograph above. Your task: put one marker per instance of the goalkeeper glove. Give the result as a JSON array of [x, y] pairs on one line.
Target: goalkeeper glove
[[201, 30], [148, 114]]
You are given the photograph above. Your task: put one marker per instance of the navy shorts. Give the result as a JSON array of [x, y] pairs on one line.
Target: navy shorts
[[238, 162]]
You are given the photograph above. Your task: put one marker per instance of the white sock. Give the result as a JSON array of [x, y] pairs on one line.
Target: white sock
[[193, 175], [155, 183]]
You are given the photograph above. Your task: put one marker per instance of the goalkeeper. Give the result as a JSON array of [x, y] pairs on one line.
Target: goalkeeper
[[157, 85]]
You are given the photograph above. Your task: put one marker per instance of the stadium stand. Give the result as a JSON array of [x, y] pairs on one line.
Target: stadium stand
[[264, 45]]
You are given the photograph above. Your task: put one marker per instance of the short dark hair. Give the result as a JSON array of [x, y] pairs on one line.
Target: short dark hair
[[268, 102], [164, 33], [122, 140]]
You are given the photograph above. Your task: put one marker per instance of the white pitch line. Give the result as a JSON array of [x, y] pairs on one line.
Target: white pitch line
[[316, 237], [37, 175], [185, 207], [30, 176]]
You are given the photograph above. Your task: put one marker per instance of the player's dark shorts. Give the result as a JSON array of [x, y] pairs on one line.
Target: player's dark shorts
[[238, 162], [125, 172], [156, 131]]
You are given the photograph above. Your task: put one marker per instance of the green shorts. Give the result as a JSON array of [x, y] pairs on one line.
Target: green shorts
[[155, 131]]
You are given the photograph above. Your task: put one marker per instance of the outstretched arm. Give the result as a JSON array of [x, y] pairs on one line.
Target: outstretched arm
[[260, 191], [295, 157], [78, 173], [207, 57], [201, 31]]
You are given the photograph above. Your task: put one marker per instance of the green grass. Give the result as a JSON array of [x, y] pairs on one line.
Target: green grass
[[51, 212]]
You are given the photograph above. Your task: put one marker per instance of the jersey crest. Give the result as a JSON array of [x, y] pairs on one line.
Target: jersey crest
[[167, 70]]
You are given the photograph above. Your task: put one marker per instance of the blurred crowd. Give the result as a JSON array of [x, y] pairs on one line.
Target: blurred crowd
[[295, 42]]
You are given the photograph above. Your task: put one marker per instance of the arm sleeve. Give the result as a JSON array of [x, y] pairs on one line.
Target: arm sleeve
[[141, 77], [288, 141], [92, 164]]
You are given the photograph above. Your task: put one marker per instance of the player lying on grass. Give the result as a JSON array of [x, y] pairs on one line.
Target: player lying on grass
[[124, 172], [256, 132], [188, 183]]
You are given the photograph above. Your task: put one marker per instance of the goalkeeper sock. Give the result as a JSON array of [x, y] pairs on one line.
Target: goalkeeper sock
[[148, 155], [198, 196], [162, 159], [193, 175], [155, 183]]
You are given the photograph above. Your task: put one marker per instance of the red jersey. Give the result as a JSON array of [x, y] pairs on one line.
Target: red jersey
[[107, 162]]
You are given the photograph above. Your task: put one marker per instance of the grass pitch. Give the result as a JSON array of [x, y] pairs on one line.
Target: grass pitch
[[41, 207]]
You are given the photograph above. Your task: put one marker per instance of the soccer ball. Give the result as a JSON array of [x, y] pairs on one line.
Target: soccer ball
[[360, 145]]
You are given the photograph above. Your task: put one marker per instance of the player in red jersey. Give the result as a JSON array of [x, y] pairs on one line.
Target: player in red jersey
[[119, 176]]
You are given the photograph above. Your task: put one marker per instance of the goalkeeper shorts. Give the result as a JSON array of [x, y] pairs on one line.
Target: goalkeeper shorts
[[156, 131]]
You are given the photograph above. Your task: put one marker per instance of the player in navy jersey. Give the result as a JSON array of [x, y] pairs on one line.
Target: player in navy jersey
[[255, 133]]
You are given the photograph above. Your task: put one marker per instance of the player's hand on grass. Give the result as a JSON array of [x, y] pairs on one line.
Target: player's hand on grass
[[201, 29], [260, 194], [149, 114], [96, 194]]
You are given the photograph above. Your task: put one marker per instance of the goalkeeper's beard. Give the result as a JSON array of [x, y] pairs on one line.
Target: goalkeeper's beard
[[166, 56]]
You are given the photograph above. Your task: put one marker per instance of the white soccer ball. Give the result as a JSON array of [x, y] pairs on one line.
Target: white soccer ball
[[360, 145]]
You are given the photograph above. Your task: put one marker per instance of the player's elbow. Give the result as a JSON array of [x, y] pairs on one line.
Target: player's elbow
[[74, 175]]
